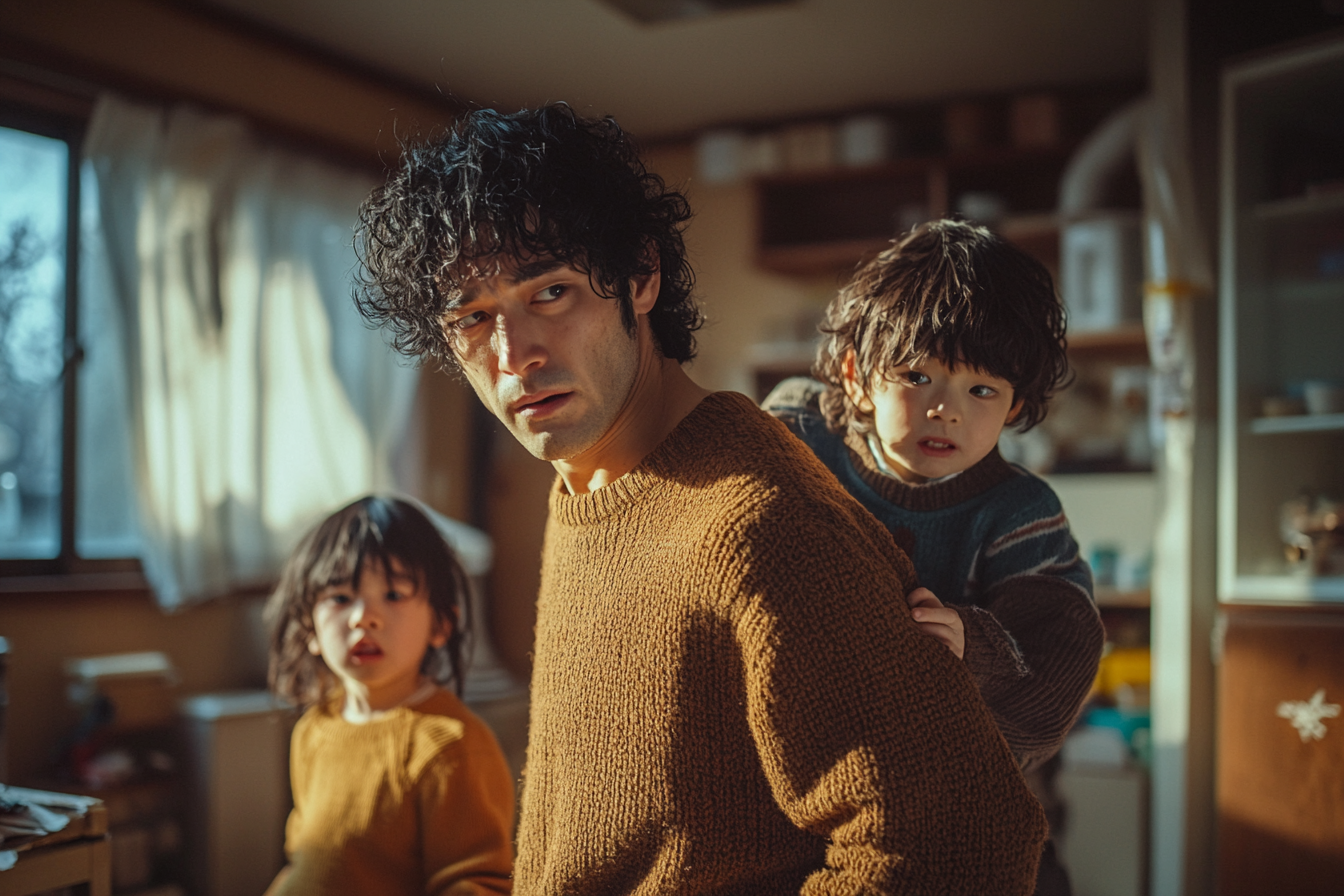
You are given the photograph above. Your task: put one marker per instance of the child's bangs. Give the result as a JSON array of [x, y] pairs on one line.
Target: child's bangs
[[951, 333], [343, 551]]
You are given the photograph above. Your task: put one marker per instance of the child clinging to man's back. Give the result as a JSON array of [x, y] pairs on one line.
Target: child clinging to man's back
[[927, 354], [398, 787]]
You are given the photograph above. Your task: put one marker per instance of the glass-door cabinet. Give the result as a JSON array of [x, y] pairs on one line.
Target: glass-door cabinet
[[1281, 502]]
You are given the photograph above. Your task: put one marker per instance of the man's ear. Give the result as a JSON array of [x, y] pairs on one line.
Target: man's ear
[[644, 288], [314, 647], [853, 385], [1014, 411]]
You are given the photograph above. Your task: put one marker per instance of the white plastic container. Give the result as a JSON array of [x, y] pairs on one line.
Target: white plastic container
[[1101, 272], [237, 745]]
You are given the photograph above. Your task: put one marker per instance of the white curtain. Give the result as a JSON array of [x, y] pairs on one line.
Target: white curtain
[[217, 305]]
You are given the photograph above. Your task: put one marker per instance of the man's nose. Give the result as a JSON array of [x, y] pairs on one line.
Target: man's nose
[[518, 344]]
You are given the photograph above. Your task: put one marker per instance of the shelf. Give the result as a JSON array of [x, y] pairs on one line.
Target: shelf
[[1129, 338], [1285, 589], [1297, 423], [1111, 597], [908, 166], [1299, 206], [1037, 233], [1322, 290], [809, 259], [1030, 226]]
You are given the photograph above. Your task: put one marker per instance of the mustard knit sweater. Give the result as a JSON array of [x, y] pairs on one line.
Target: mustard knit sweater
[[729, 695], [417, 801]]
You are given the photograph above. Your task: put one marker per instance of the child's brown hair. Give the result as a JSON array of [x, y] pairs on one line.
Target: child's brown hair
[[336, 552], [956, 292]]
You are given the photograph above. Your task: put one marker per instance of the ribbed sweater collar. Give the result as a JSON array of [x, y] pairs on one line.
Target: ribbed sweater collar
[[986, 474], [386, 724], [685, 444]]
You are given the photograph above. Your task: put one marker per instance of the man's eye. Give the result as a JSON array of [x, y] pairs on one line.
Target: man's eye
[[553, 292], [915, 377], [337, 598], [467, 321], [983, 391]]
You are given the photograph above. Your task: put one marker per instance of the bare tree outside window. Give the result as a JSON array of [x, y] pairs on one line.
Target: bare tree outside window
[[33, 185]]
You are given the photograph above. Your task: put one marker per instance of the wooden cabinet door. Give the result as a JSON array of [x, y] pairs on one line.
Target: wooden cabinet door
[[1281, 753]]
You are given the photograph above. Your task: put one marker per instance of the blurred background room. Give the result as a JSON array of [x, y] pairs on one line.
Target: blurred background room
[[185, 385]]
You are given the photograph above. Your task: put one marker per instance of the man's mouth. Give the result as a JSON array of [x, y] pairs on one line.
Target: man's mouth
[[541, 403]]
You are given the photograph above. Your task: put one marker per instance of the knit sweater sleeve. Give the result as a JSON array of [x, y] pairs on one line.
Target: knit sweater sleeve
[[1034, 637], [464, 796], [871, 736], [300, 762]]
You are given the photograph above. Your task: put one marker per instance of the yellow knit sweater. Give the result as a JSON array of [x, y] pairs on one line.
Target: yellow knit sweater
[[417, 801], [729, 695]]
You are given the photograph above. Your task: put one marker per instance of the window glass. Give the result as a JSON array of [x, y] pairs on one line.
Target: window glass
[[33, 184]]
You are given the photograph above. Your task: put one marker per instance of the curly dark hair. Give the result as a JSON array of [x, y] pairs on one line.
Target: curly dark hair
[[956, 292], [336, 552], [542, 183]]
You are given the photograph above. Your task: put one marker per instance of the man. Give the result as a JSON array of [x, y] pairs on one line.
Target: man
[[728, 693]]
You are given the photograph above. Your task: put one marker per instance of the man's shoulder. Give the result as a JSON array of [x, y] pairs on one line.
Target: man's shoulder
[[744, 447], [765, 485]]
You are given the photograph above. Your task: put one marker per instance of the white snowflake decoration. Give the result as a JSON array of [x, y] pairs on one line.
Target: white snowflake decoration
[[1306, 715]]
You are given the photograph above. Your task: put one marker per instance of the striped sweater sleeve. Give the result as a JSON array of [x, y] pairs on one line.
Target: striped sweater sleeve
[[1034, 638]]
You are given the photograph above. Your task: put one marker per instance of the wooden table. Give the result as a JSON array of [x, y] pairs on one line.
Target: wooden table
[[79, 855]]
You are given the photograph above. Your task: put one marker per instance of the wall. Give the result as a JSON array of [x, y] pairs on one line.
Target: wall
[[743, 304], [1117, 509]]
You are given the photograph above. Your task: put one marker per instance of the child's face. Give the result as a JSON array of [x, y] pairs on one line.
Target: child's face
[[374, 636], [933, 420]]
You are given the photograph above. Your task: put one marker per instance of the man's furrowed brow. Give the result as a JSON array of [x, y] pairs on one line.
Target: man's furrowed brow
[[533, 269], [513, 274], [460, 297]]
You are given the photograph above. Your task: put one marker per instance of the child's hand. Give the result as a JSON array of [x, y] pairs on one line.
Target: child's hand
[[937, 621]]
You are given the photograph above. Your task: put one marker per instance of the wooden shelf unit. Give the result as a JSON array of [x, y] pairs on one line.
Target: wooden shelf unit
[[819, 222], [825, 221]]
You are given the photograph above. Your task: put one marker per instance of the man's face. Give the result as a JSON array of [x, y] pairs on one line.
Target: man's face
[[546, 354]]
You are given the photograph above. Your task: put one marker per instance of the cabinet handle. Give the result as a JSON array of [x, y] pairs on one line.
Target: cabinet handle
[[1306, 715]]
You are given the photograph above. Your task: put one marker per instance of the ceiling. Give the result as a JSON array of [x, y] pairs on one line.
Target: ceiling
[[749, 65]]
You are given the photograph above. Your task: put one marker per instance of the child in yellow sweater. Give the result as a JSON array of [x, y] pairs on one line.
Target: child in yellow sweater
[[398, 787]]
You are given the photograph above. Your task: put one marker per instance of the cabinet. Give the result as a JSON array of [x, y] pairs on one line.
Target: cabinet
[[1281, 751], [1280, 778], [1282, 316]]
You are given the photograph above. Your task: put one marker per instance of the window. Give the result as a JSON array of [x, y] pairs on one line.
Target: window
[[39, 229], [185, 379]]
